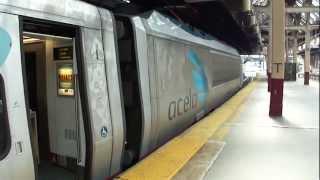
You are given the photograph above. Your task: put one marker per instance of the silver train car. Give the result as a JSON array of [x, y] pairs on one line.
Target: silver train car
[[85, 93]]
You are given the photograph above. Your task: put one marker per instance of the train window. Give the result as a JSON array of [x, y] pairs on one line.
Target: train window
[[5, 141]]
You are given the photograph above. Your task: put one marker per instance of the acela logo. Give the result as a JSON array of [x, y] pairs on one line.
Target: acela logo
[[191, 100], [199, 77], [5, 45]]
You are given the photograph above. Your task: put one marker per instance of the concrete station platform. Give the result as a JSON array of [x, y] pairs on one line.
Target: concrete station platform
[[240, 141]]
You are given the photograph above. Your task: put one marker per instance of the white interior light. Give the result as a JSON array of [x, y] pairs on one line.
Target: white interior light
[[27, 39]]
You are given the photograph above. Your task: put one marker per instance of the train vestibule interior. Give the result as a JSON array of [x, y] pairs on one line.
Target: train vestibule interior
[[57, 134]]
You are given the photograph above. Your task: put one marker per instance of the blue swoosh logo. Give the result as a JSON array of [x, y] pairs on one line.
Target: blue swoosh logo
[[199, 77], [5, 45]]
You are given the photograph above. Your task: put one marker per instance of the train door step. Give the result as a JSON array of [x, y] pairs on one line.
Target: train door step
[[198, 166]]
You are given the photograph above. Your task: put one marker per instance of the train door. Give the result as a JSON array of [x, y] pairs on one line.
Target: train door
[[131, 91], [16, 161], [55, 114]]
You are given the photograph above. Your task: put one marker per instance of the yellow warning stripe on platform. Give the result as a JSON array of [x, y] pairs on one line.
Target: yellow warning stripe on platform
[[166, 161]]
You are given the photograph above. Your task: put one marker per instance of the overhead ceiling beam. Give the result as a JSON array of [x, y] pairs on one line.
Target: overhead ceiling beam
[[302, 28], [302, 9], [291, 9]]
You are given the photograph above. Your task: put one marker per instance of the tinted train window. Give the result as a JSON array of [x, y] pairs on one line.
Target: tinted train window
[[5, 141]]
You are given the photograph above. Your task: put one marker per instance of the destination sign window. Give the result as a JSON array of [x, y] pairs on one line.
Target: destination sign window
[[63, 53]]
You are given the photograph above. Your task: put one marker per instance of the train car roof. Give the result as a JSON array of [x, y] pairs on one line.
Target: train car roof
[[166, 27], [70, 11]]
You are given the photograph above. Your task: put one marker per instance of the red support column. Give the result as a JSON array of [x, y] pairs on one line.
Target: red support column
[[278, 57], [269, 65], [276, 97], [307, 58], [269, 81], [269, 68], [306, 78], [295, 51]]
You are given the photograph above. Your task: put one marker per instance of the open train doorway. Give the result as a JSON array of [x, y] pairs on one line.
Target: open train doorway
[[55, 114]]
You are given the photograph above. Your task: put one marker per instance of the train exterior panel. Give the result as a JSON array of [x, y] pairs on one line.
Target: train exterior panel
[[188, 75]]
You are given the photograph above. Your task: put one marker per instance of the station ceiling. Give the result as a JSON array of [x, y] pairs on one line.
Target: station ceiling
[[224, 19], [297, 19], [211, 16]]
